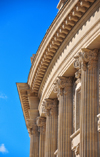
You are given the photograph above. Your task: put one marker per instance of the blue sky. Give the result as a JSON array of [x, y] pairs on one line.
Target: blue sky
[[23, 24]]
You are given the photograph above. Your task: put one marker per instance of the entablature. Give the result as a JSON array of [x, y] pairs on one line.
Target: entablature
[[22, 90], [62, 25], [62, 63], [29, 102]]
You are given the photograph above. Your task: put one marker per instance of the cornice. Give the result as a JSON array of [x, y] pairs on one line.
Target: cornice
[[25, 93], [60, 4], [66, 43], [62, 25], [89, 31], [23, 89]]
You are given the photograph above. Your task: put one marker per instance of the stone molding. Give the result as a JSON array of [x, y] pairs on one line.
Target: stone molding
[[60, 4], [50, 106], [31, 93], [73, 45], [22, 90], [50, 47]]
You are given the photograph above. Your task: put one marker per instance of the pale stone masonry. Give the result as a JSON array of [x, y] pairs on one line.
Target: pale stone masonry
[[87, 67], [51, 126], [61, 99], [41, 123], [63, 87]]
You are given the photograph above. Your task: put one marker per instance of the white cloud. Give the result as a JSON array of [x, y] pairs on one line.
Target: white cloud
[[3, 96], [3, 149]]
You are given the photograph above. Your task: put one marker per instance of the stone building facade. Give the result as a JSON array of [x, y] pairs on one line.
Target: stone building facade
[[61, 99]]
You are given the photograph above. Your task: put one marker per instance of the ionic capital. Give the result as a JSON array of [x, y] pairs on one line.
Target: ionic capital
[[50, 106]]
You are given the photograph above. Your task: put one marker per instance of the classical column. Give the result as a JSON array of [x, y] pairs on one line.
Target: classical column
[[34, 137], [51, 127], [63, 88], [41, 123], [86, 63]]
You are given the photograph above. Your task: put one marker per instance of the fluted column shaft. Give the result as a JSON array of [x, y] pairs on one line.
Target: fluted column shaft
[[34, 138], [63, 87], [88, 123], [34, 145], [41, 122], [51, 127]]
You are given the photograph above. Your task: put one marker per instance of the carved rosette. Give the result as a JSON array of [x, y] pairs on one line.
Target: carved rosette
[[62, 85], [41, 123], [85, 59], [50, 106], [32, 127]]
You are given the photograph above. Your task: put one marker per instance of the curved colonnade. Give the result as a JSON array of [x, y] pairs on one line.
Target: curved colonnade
[[60, 100]]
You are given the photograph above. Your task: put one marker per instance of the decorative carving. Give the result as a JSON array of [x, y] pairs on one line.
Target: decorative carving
[[30, 123], [89, 55], [43, 110], [50, 106], [41, 123], [42, 129], [77, 64], [86, 59], [32, 127], [31, 93], [78, 74], [62, 85]]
